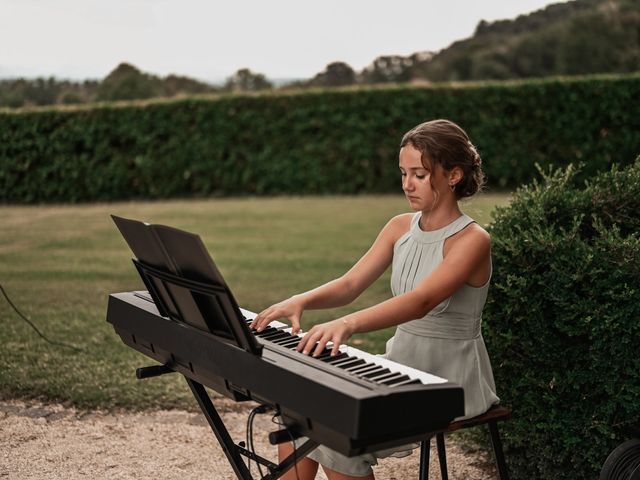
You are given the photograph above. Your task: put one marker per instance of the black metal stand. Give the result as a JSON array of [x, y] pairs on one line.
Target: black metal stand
[[233, 451], [425, 450]]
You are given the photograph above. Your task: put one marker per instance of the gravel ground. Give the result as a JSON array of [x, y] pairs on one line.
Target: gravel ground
[[50, 441]]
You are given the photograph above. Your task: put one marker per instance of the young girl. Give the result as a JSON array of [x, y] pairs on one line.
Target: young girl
[[441, 266]]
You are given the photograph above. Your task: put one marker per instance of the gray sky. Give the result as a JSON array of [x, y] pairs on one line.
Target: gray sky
[[210, 40]]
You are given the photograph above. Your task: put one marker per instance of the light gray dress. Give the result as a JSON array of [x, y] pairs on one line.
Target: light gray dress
[[446, 342]]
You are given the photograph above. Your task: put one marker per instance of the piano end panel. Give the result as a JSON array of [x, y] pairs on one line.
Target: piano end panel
[[410, 406]]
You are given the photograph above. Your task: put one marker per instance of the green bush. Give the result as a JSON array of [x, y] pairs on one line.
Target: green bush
[[562, 322], [313, 142]]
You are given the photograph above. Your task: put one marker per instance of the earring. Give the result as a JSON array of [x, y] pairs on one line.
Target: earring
[[452, 186]]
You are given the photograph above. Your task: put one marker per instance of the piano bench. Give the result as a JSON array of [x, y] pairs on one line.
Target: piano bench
[[491, 418]]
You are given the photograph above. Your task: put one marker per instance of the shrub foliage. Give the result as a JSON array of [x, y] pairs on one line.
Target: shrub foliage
[[563, 321], [315, 142]]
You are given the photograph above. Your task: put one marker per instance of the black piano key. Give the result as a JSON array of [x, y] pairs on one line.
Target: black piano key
[[411, 381], [394, 380], [388, 376], [397, 380], [333, 359], [325, 353], [281, 337], [374, 370], [352, 362], [364, 368], [286, 341], [274, 335], [358, 368], [345, 359], [376, 373], [286, 335], [270, 331]]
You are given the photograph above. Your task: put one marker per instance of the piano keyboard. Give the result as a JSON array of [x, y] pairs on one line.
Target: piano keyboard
[[353, 402], [355, 362]]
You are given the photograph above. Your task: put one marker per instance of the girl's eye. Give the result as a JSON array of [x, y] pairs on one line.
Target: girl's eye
[[420, 177], [402, 174]]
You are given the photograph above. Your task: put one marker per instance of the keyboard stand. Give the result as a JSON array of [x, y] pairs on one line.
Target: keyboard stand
[[232, 450]]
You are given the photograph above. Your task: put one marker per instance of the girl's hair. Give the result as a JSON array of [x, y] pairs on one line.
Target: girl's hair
[[442, 142]]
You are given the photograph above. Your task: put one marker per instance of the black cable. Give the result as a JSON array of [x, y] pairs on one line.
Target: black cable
[[52, 342], [247, 443], [249, 437], [250, 445]]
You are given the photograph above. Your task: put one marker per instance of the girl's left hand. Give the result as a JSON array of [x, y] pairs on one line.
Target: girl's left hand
[[337, 331]]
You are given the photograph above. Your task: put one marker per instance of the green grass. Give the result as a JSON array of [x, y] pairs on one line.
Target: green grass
[[59, 264]]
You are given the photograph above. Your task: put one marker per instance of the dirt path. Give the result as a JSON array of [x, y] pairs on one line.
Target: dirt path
[[49, 441]]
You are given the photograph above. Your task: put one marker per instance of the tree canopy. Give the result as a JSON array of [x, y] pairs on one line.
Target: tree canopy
[[572, 38]]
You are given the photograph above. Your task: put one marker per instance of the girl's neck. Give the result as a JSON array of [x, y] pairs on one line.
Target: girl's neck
[[441, 217]]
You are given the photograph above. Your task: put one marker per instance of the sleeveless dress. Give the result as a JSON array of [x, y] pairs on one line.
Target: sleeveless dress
[[446, 342]]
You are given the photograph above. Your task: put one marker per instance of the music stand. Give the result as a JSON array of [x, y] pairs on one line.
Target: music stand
[[184, 282]]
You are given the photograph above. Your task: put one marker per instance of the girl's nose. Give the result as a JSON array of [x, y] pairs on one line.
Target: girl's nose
[[406, 184]]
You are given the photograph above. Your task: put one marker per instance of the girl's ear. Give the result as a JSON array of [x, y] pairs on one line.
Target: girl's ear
[[455, 175]]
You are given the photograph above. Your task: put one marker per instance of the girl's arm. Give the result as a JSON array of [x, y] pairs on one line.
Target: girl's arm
[[345, 289], [466, 256]]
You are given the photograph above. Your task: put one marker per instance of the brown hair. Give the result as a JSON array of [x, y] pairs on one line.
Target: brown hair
[[442, 142]]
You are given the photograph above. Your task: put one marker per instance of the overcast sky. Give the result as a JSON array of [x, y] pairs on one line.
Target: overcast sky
[[210, 40]]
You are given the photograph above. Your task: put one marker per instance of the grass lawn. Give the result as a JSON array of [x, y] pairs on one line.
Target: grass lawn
[[59, 264]]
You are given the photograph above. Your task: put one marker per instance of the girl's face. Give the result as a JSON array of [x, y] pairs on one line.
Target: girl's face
[[423, 188]]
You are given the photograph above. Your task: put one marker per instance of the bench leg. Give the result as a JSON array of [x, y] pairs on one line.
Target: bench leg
[[497, 451], [425, 447], [442, 456]]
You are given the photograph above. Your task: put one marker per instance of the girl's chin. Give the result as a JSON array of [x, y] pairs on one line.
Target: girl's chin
[[414, 202]]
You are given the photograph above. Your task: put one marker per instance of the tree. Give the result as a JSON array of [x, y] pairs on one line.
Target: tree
[[177, 84], [336, 74], [126, 82], [244, 80], [389, 68]]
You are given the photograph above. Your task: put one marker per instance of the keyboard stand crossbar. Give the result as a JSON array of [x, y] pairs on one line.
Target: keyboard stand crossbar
[[233, 451]]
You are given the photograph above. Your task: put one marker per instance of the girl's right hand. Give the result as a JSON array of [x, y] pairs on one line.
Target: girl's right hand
[[291, 309]]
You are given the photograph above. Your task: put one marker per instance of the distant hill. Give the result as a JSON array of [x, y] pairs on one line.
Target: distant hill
[[573, 38]]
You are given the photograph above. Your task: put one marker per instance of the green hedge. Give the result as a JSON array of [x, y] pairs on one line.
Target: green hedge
[[316, 142], [562, 322]]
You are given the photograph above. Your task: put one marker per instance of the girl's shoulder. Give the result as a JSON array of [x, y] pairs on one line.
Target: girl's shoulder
[[471, 236], [402, 222], [474, 230], [397, 226]]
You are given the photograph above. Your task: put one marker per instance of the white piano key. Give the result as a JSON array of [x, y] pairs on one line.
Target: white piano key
[[412, 373]]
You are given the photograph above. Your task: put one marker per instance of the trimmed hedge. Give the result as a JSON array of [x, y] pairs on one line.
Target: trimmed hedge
[[562, 321], [314, 142]]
